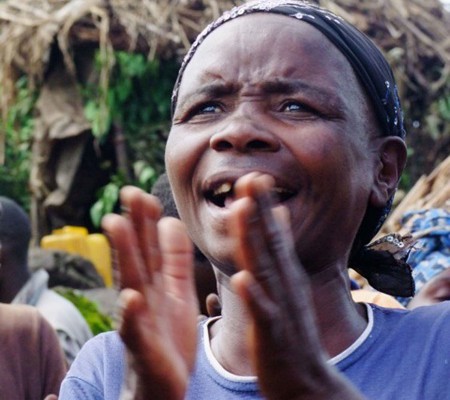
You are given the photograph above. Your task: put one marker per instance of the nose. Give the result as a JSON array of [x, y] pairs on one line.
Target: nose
[[244, 135]]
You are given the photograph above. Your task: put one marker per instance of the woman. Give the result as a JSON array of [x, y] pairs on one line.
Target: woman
[[284, 154]]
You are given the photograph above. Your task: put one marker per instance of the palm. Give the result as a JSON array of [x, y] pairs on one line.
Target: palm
[[159, 306]]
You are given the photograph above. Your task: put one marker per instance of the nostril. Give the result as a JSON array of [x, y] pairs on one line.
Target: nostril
[[223, 145], [244, 138], [258, 145], [251, 145]]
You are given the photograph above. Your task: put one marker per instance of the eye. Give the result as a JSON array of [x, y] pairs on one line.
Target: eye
[[292, 106], [295, 106], [207, 108], [202, 112]]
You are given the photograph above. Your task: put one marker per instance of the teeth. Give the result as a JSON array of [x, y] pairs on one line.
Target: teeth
[[223, 189]]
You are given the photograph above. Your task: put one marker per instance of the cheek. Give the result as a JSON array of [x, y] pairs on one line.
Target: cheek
[[326, 156], [180, 156], [171, 159], [338, 170]]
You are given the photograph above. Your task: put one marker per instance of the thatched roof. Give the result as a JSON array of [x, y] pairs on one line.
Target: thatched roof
[[29, 29], [414, 34], [411, 32]]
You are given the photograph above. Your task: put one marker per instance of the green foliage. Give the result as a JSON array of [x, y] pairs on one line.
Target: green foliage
[[107, 200], [443, 105], [437, 121], [18, 129], [406, 182], [138, 103], [96, 320], [108, 195], [138, 96]]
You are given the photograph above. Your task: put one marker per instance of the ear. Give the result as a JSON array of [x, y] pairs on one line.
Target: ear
[[391, 153]]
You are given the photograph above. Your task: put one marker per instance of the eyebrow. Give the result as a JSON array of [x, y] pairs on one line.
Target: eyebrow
[[277, 86], [210, 90], [293, 86]]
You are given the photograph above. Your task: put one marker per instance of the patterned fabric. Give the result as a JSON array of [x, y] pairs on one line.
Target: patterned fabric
[[432, 251]]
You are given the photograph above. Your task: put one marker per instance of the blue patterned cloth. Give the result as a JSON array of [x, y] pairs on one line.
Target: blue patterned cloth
[[432, 251]]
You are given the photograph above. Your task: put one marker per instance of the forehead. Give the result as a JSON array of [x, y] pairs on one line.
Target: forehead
[[261, 46]]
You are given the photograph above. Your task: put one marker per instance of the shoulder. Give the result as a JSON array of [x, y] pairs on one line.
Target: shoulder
[[401, 341], [31, 353], [98, 369], [22, 318], [63, 315], [104, 347], [425, 312], [420, 322], [10, 310], [434, 315], [51, 301]]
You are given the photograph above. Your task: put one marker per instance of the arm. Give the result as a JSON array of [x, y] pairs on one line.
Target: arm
[[283, 338], [158, 302]]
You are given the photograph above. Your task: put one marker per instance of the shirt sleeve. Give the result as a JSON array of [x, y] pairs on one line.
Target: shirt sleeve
[[97, 371]]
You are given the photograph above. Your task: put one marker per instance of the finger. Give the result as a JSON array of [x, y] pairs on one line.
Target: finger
[[252, 251], [253, 243], [295, 281], [125, 252], [144, 211], [136, 322], [271, 332], [267, 328], [261, 308], [177, 254], [141, 335], [271, 224]]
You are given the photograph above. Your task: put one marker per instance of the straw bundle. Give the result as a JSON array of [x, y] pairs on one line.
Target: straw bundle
[[414, 35]]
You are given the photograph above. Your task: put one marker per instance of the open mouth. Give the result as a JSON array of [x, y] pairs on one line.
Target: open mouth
[[223, 194]]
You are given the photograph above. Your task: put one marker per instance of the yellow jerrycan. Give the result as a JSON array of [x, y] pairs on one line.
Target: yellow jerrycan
[[77, 240]]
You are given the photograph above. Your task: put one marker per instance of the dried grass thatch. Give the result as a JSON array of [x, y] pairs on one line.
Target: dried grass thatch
[[30, 28], [430, 191], [414, 34], [411, 32]]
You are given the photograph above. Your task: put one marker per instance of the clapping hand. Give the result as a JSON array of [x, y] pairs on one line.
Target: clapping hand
[[158, 302], [283, 337]]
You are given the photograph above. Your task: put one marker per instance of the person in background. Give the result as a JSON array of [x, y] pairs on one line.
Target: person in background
[[430, 258], [375, 297], [19, 286], [32, 364], [205, 281], [285, 151]]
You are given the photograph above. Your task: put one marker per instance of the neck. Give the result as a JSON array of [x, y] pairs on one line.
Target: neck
[[11, 283], [339, 320], [228, 334]]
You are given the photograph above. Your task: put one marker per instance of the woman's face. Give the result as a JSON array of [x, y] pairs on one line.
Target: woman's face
[[271, 94]]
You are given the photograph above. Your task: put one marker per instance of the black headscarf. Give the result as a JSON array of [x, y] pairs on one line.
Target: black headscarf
[[375, 76]]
